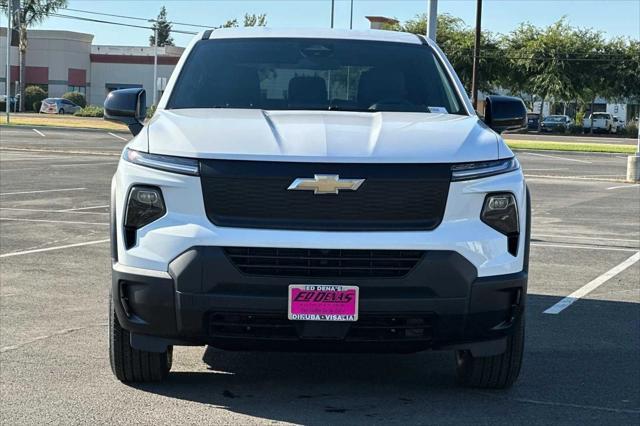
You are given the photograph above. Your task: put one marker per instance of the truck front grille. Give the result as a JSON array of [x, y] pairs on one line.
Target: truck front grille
[[369, 328], [393, 197], [323, 263]]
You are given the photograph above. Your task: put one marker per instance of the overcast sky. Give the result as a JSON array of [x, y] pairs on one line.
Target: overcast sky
[[613, 17]]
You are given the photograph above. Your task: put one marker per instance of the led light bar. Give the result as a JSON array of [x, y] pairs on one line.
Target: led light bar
[[167, 163], [466, 171]]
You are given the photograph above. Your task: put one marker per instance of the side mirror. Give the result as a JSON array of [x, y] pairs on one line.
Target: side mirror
[[128, 106], [505, 113]]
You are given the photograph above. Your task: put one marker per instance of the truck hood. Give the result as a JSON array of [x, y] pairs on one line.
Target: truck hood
[[322, 136]]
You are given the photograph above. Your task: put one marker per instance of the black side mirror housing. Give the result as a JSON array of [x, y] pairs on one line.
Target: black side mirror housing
[[128, 106], [503, 113]]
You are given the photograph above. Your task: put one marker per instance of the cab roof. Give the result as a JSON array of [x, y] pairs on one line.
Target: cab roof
[[263, 32]]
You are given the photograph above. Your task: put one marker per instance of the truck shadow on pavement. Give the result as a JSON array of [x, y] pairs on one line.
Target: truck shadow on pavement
[[583, 363]]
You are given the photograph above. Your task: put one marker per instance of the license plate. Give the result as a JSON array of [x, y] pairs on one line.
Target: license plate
[[323, 302]]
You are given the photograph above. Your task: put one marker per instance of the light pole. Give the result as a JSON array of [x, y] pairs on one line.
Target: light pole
[[476, 57], [333, 4], [432, 22], [8, 79], [155, 60], [351, 17]]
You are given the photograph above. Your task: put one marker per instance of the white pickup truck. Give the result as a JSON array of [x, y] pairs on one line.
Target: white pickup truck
[[318, 190], [602, 122]]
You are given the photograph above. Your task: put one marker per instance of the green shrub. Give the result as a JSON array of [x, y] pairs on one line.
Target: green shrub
[[90, 111], [575, 129], [150, 111], [631, 129], [76, 98], [36, 106], [33, 94], [3, 106]]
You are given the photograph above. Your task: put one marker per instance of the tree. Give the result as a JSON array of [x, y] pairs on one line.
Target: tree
[[33, 12], [163, 27], [456, 40], [250, 20]]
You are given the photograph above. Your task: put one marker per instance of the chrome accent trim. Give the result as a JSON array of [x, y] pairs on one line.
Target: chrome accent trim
[[118, 267], [325, 184]]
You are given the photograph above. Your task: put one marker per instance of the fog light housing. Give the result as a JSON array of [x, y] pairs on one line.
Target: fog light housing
[[500, 211], [144, 205]]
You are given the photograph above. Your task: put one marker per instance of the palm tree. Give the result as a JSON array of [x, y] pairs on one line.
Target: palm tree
[[32, 12]]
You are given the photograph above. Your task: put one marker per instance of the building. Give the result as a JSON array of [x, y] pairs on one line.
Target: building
[[67, 61]]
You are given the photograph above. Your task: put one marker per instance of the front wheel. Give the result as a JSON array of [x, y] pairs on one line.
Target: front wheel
[[493, 372], [132, 365], [61, 111]]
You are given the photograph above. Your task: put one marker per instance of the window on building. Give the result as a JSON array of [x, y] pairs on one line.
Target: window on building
[[79, 89]]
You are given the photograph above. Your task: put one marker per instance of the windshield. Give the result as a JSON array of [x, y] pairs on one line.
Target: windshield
[[554, 119], [314, 74]]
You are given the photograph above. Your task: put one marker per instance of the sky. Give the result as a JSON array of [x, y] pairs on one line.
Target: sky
[[613, 17]]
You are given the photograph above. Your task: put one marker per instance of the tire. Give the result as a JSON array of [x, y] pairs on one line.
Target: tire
[[61, 111], [131, 365], [493, 372]]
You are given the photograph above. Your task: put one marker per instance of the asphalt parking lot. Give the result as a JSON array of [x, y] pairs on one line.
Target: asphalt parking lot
[[582, 364]]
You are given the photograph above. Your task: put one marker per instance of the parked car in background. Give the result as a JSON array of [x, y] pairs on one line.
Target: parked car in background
[[555, 123], [533, 118], [618, 125], [602, 123], [12, 102], [58, 106]]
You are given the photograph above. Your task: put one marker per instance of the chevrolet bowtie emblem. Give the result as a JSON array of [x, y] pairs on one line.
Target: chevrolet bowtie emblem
[[325, 184]]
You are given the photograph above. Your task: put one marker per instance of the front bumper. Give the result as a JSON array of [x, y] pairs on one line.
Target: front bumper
[[205, 299]]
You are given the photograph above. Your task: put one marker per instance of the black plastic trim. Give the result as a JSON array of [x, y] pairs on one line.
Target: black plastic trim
[[206, 34], [466, 309]]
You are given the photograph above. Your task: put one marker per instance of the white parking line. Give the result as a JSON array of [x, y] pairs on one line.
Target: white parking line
[[589, 287], [20, 253], [119, 137], [86, 208], [39, 132], [42, 191], [575, 246], [558, 158], [52, 211], [576, 237], [623, 186], [51, 166], [16, 219]]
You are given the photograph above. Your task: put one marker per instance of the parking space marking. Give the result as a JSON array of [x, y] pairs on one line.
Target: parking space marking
[[576, 237], [119, 137], [53, 211], [576, 246], [60, 151], [51, 166], [576, 178], [39, 132], [16, 219], [42, 191], [20, 253], [86, 208], [558, 158], [623, 186], [592, 285]]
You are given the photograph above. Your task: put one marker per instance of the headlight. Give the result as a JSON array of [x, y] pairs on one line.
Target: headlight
[[500, 212], [144, 205], [466, 171], [167, 163]]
